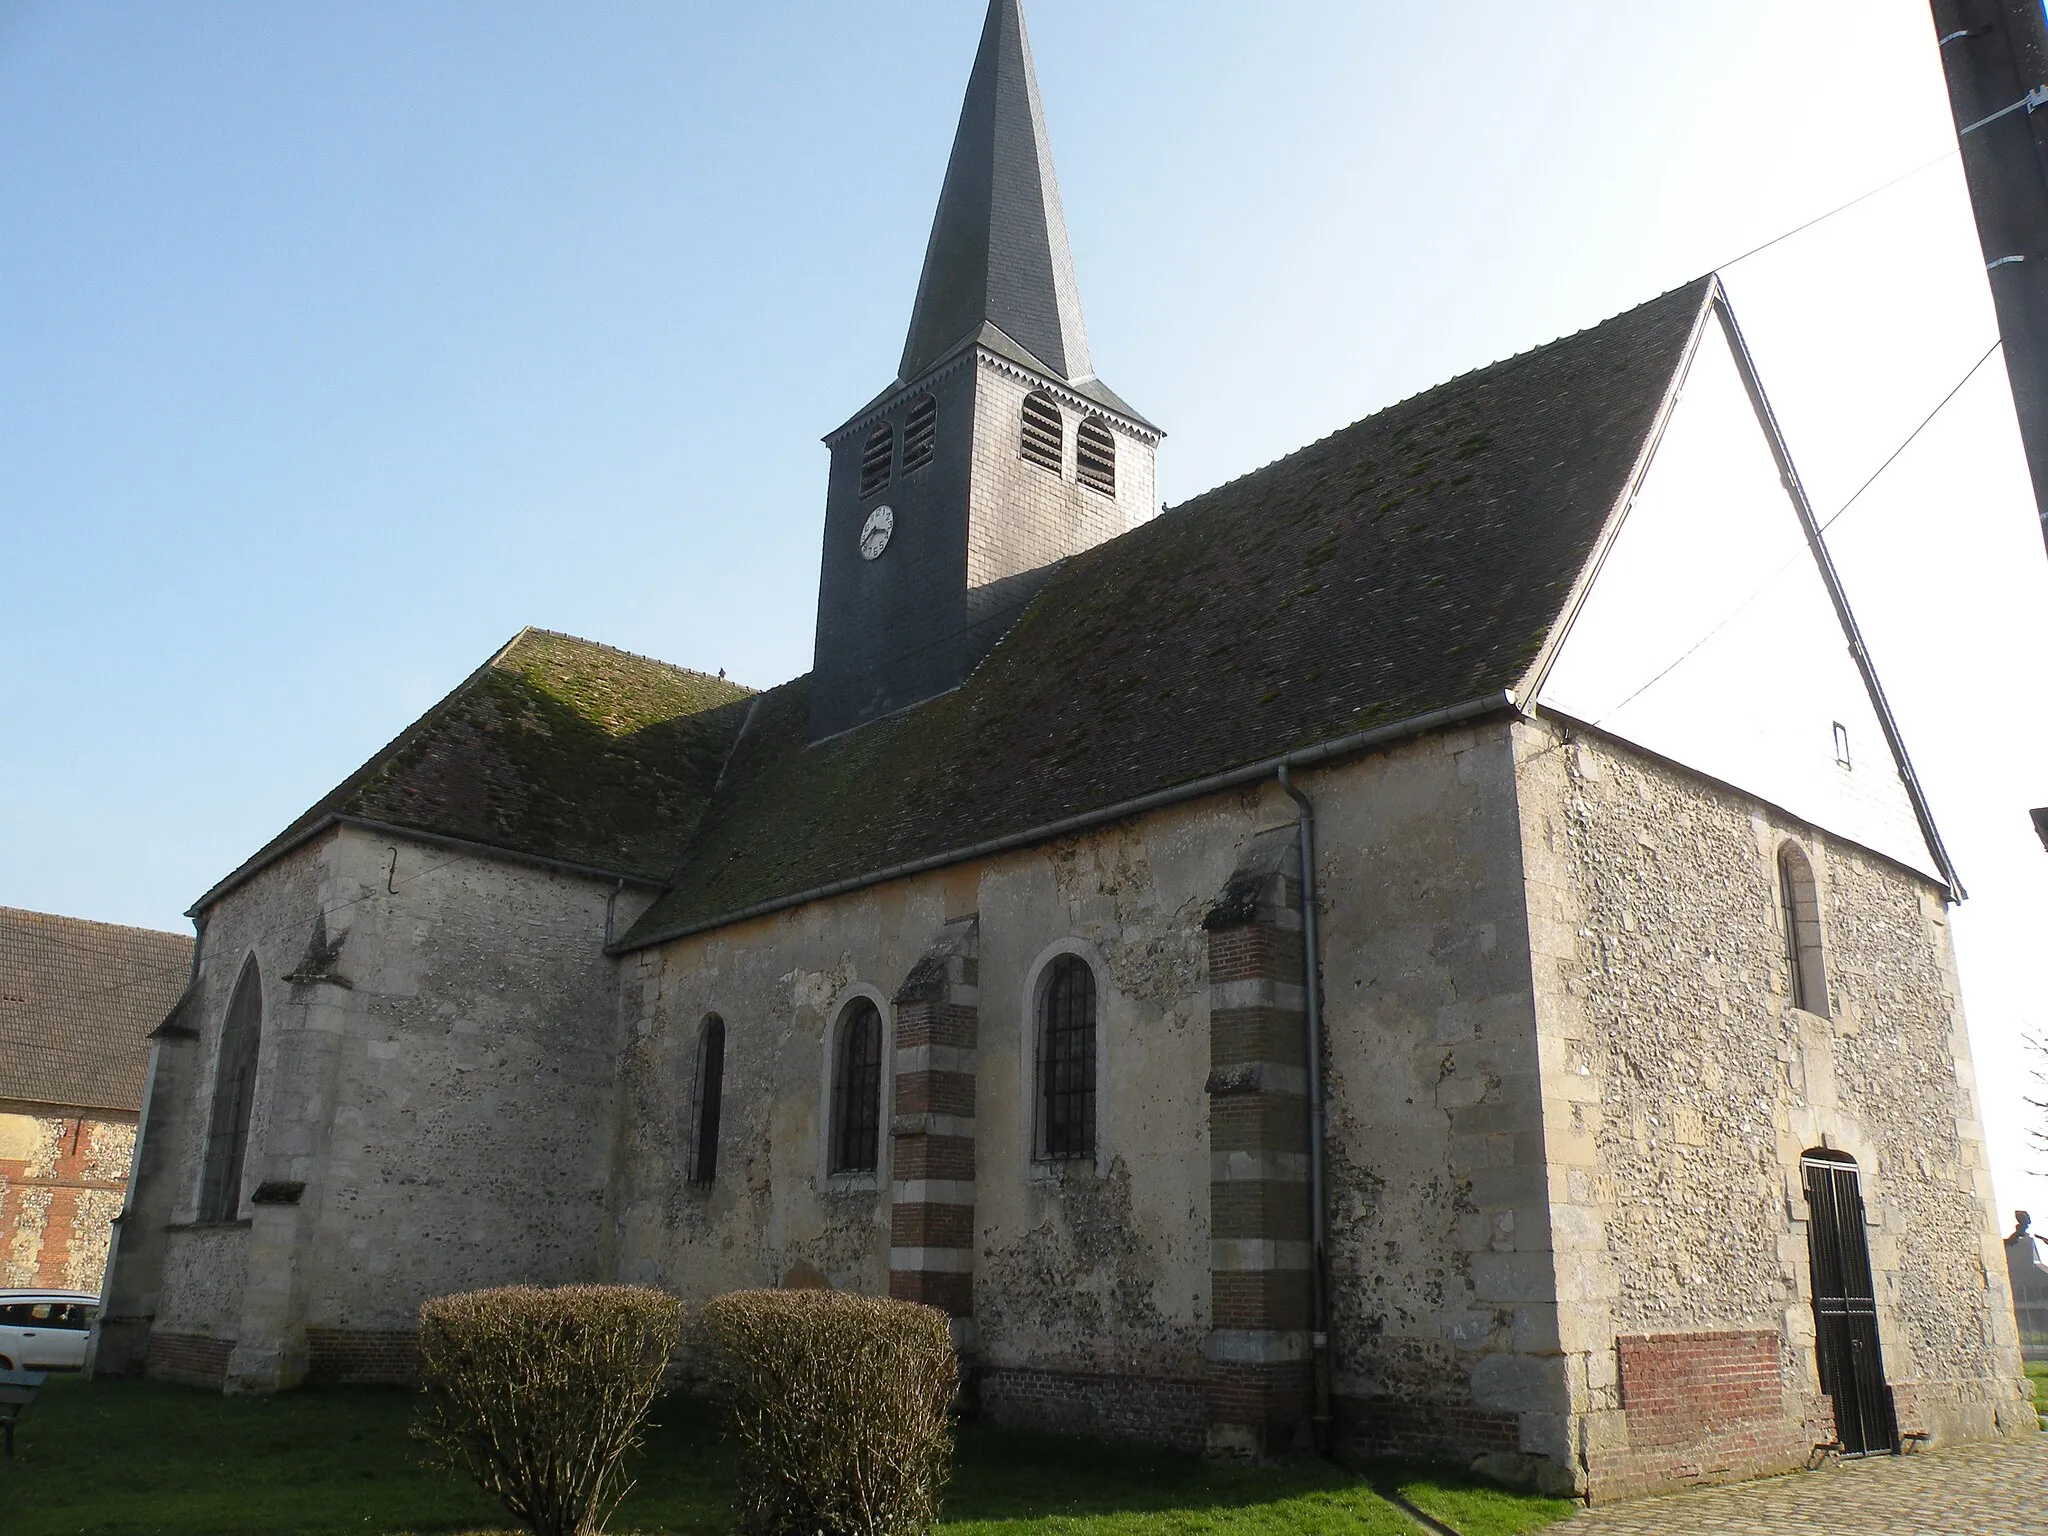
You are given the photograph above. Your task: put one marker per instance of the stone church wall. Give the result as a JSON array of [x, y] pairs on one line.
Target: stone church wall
[[1442, 1294], [1681, 1088], [432, 1103], [1092, 1284]]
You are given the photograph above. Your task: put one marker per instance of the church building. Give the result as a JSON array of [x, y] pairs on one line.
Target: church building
[[1432, 947]]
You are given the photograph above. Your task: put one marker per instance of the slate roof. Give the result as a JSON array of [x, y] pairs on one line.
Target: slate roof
[[556, 748], [1413, 561], [77, 1003], [998, 250]]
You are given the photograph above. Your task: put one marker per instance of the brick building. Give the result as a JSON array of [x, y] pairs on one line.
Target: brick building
[[78, 1001], [1342, 958]]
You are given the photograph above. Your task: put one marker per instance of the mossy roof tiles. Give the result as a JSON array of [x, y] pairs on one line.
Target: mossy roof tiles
[[1416, 560], [557, 749]]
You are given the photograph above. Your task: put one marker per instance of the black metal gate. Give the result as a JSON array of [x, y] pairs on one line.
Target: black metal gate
[[1845, 1308]]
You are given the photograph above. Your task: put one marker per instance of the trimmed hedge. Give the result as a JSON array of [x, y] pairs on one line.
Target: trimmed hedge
[[538, 1395], [841, 1406]]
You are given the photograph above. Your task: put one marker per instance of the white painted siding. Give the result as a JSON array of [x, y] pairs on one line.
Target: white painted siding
[[1712, 555]]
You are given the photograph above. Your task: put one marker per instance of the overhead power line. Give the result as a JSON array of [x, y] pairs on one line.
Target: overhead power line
[[1730, 616], [1822, 218]]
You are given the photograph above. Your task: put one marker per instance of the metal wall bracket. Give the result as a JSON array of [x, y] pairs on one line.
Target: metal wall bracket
[[2033, 101]]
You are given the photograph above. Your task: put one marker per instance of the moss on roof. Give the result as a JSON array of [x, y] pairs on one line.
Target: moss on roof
[[557, 748], [1415, 560]]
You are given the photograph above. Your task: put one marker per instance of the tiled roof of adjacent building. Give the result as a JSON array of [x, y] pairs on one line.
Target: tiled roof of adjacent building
[[1416, 560], [77, 1003], [557, 749]]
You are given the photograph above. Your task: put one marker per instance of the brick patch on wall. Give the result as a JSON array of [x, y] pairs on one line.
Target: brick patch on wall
[[1679, 1387], [1706, 1408], [1167, 1410], [1386, 1426], [191, 1358], [348, 1357]]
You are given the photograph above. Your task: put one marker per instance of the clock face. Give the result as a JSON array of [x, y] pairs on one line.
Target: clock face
[[874, 533]]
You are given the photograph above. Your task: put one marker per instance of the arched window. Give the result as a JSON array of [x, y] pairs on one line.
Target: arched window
[[1799, 920], [234, 1098], [857, 1089], [1066, 1060], [1095, 457], [874, 460], [705, 1101], [1044, 438], [920, 433]]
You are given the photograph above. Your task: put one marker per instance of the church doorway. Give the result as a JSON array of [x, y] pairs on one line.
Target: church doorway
[[1845, 1306]]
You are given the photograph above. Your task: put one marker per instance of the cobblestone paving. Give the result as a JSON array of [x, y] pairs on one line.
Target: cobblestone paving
[[1995, 1489]]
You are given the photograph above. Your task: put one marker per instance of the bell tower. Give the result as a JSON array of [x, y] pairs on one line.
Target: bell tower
[[997, 452]]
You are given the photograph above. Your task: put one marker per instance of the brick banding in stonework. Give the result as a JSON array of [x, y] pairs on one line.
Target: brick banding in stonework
[[1160, 1410], [350, 1357], [931, 1216], [1423, 1431], [1258, 1389], [191, 1359]]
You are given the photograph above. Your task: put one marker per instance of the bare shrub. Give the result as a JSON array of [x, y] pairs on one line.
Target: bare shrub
[[841, 1406], [539, 1395]]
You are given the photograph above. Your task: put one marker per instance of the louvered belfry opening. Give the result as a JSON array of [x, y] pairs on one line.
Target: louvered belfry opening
[[874, 460], [920, 433], [1043, 441], [1095, 457], [857, 1110], [1067, 1059], [1845, 1306]]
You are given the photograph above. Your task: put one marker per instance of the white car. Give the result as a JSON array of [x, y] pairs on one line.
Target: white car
[[45, 1330]]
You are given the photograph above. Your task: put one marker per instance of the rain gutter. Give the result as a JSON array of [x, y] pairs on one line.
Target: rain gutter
[[1304, 757]]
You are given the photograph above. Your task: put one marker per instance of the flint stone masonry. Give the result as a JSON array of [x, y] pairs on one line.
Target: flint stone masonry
[[62, 1176], [1680, 1089]]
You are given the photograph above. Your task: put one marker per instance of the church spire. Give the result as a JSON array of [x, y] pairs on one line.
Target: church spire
[[998, 253]]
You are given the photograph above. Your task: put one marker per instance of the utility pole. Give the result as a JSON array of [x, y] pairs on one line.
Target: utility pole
[[1995, 54]]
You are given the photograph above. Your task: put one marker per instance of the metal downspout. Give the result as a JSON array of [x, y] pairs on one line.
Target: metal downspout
[[1311, 980]]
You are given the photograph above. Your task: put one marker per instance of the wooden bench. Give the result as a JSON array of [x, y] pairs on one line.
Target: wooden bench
[[17, 1391]]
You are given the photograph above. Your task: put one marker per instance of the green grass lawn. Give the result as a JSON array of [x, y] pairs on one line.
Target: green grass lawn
[[2037, 1377], [142, 1459]]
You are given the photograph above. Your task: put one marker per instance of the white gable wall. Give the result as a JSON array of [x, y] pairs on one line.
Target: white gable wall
[[1713, 531]]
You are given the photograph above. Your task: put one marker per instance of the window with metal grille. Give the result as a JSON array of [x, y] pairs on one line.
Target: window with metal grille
[[234, 1098], [857, 1089], [874, 460], [1095, 457], [1044, 439], [707, 1100], [1066, 1060], [1799, 919], [920, 433]]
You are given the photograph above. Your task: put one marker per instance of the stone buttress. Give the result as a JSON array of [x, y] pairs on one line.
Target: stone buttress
[[1259, 1370], [931, 1220]]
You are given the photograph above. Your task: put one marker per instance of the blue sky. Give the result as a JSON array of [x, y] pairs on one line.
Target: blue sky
[[339, 341]]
